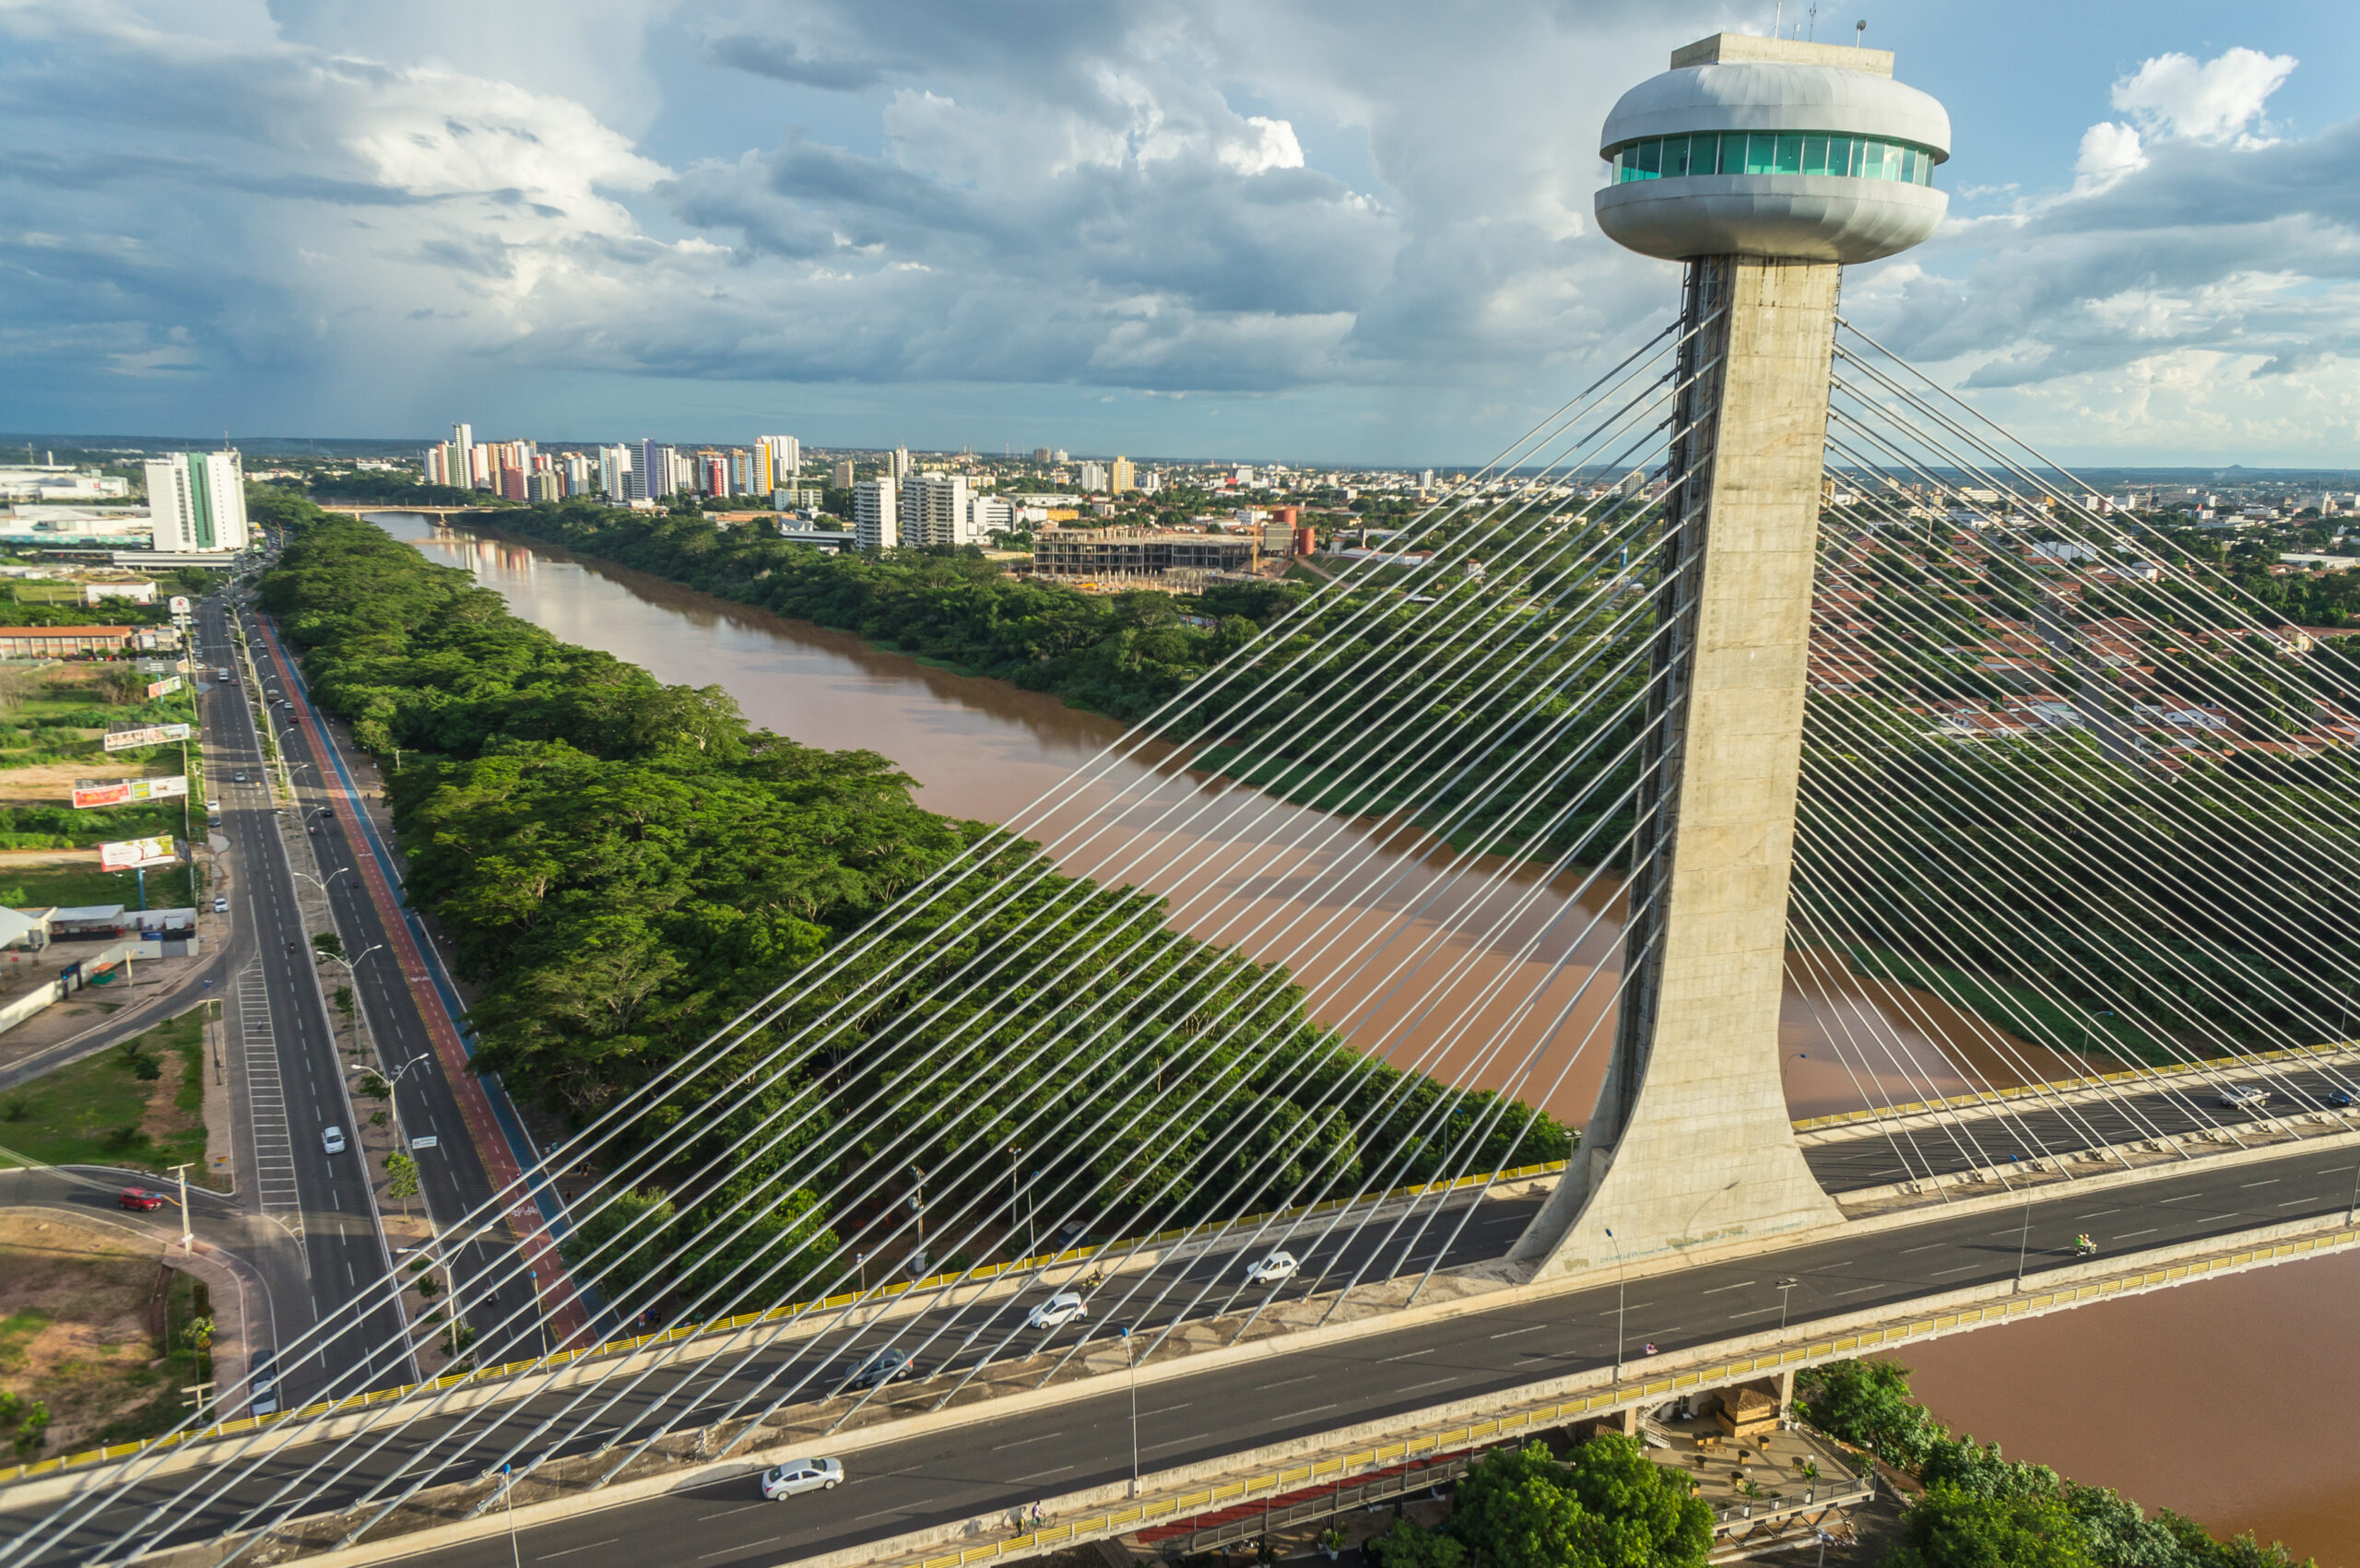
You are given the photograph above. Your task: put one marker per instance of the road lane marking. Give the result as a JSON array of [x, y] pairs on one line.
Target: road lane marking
[[1512, 1332], [1853, 1292], [1166, 1409], [1941, 1273], [1304, 1378], [2097, 1213], [1435, 1384], [1023, 1441], [1405, 1355], [2271, 1182], [1927, 1247], [749, 1545], [1718, 1288], [1288, 1417], [2181, 1198], [1757, 1312], [2126, 1235], [554, 1556], [1045, 1474]]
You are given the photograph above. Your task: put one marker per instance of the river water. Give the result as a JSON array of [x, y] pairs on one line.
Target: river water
[[2183, 1398]]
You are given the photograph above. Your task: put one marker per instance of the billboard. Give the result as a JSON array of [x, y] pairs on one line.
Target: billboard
[[132, 854], [180, 605], [163, 687], [149, 735], [124, 792]]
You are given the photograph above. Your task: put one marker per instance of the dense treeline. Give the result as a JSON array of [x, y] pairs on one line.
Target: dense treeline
[[1417, 713], [625, 866], [1981, 1510]]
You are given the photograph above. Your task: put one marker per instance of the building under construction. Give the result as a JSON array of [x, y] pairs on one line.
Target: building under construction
[[1119, 553]]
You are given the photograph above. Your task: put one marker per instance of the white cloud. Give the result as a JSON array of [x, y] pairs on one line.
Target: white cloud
[[2172, 95], [2109, 151]]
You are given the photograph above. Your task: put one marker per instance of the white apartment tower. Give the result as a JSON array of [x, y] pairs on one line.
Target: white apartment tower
[[197, 501], [614, 472], [902, 467], [875, 515], [786, 460], [935, 510]]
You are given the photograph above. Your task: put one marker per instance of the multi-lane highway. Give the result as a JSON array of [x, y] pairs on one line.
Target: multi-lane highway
[[1002, 1463], [2030, 1129], [288, 1084], [452, 1181]]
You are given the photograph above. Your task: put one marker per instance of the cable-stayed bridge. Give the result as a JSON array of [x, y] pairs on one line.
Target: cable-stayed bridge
[[1798, 673]]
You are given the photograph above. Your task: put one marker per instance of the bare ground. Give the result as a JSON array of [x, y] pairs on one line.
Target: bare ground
[[73, 1323]]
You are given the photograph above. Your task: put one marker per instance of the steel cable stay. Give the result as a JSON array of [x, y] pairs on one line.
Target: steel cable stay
[[1310, 1063], [1884, 1119], [573, 1149], [1952, 790], [2260, 844], [1472, 904], [2169, 803]]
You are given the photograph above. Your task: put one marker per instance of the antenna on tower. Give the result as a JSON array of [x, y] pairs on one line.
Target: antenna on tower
[[1812, 36], [1778, 20]]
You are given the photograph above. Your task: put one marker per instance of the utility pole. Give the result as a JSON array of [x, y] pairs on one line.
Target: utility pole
[[1618, 1305], [1131, 1355], [188, 1237], [2023, 1234]]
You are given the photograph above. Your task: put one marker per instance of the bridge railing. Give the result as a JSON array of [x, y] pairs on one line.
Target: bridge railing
[[2068, 1085], [883, 1293]]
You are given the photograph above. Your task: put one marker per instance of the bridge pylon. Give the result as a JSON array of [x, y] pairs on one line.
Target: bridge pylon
[[1724, 163]]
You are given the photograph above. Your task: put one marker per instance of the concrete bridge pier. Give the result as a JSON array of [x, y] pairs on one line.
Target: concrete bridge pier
[[1691, 1144]]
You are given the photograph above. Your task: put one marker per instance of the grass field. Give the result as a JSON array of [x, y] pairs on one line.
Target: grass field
[[100, 1111]]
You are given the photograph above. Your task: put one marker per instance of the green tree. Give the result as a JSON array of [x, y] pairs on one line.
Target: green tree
[[1607, 1506], [628, 1239], [1951, 1529], [1407, 1545], [327, 944], [1868, 1404], [401, 1178]]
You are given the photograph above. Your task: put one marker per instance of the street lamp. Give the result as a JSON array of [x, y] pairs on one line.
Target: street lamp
[[401, 1133], [188, 1237], [322, 886], [1131, 1356], [351, 972], [1618, 1305], [2024, 1237], [1784, 1287]]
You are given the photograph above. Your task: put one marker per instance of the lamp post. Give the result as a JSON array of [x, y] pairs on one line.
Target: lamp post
[[1785, 1286], [188, 1237], [1131, 1356], [2024, 1237], [351, 973], [1618, 1305]]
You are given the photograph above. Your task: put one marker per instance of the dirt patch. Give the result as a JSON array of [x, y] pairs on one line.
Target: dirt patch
[[164, 1118], [73, 1315]]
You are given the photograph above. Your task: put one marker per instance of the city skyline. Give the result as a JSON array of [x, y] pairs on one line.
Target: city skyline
[[1258, 235]]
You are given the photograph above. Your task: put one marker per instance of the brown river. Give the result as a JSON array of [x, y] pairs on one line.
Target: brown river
[[2182, 1400]]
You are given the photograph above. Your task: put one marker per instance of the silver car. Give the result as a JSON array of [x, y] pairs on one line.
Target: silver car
[[802, 1475]]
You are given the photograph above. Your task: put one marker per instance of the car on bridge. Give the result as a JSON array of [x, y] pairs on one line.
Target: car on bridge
[[140, 1199], [2342, 1098], [885, 1366], [1276, 1268], [1057, 1311], [261, 1385], [2244, 1097], [332, 1139], [802, 1475]]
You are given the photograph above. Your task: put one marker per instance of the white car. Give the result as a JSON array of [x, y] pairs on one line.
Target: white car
[[802, 1475], [2243, 1096], [332, 1139], [1271, 1270], [1057, 1311]]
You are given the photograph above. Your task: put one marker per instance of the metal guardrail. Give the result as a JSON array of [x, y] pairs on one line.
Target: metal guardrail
[[1775, 1509], [2067, 1085], [750, 1319], [1343, 1499]]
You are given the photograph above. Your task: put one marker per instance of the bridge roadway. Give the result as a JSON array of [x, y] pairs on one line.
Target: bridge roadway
[[1487, 1235], [989, 1467], [1977, 1139]]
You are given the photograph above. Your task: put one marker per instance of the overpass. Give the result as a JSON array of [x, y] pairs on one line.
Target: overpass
[[1759, 735]]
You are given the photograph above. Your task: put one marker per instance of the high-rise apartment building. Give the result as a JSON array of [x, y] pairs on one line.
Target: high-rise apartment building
[[935, 510], [902, 467], [654, 468], [785, 454], [1121, 476], [841, 479], [615, 472], [875, 515], [1094, 478], [1040, 455], [197, 501]]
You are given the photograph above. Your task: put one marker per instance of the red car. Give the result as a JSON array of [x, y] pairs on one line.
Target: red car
[[140, 1199]]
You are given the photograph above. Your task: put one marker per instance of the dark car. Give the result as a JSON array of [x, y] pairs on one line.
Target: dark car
[[2342, 1098], [139, 1198], [885, 1366]]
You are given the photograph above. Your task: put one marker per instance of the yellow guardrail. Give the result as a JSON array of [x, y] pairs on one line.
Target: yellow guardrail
[[748, 1319], [1120, 1520], [2066, 1085]]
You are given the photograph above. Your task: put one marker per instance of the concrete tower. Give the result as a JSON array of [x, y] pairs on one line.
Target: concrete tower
[[1763, 165]]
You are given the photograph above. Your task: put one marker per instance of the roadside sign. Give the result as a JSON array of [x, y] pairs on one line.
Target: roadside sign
[[429, 1142]]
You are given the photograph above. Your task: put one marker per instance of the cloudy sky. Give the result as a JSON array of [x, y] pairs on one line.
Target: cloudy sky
[[1293, 228]]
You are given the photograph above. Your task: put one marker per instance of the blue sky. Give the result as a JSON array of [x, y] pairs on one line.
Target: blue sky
[[1253, 229]]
